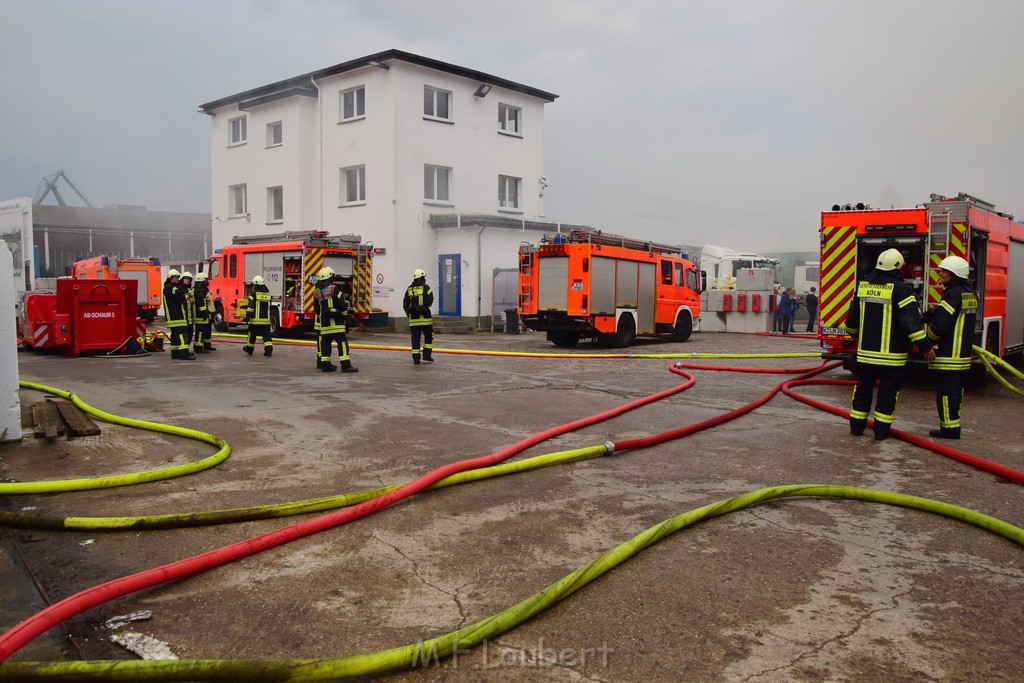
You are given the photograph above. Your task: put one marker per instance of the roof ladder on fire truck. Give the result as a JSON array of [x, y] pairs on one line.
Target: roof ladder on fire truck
[[526, 252], [938, 248]]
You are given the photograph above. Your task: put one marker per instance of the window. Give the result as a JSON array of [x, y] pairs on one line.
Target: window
[[691, 279], [237, 128], [275, 204], [509, 119], [666, 272], [274, 133], [437, 103], [679, 275], [437, 183], [508, 192], [353, 103], [238, 204], [353, 185]]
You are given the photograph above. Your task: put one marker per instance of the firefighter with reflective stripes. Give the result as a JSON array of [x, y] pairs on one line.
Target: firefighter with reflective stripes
[[190, 310], [885, 320], [257, 317], [951, 327], [331, 316], [417, 302], [202, 310], [175, 315]]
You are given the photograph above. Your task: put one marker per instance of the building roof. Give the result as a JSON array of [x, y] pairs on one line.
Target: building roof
[[119, 219], [302, 85]]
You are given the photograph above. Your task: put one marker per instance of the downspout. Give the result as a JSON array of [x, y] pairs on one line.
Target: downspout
[[480, 283], [319, 151]]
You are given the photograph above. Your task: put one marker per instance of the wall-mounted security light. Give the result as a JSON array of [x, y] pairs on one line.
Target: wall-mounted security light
[[482, 90]]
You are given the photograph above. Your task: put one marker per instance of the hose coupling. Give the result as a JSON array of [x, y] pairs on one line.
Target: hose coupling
[[609, 448]]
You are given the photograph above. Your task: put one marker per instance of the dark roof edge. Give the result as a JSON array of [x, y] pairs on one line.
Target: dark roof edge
[[379, 57]]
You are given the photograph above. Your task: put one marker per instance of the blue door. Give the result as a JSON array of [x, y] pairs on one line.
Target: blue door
[[449, 284]]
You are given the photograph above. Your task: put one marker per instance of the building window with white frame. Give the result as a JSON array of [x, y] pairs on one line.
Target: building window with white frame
[[238, 206], [275, 133], [510, 119], [509, 192], [437, 183], [237, 133], [275, 204], [353, 185], [353, 104], [437, 104]]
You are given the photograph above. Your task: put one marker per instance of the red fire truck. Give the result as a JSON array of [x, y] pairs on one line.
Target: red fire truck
[[145, 271], [965, 226], [590, 284], [289, 262]]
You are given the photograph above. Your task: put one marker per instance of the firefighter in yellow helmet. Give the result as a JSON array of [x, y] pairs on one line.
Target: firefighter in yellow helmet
[[417, 302], [175, 315], [258, 317], [885, 319], [331, 316], [951, 327]]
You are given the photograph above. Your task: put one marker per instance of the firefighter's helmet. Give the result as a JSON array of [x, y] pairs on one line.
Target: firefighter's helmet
[[200, 277], [890, 259], [258, 280], [325, 273], [173, 273], [418, 273], [955, 265], [186, 274]]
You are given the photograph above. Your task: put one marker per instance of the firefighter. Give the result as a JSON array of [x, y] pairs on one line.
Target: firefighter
[[190, 310], [175, 314], [951, 327], [257, 317], [203, 308], [885, 320], [331, 315], [417, 302]]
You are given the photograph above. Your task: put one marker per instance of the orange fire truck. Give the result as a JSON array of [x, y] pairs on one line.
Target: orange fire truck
[[589, 284], [289, 262], [965, 226], [145, 271]]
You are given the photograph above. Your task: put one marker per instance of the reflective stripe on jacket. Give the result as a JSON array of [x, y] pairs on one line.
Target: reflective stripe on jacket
[[952, 327], [885, 319], [175, 301], [417, 302], [258, 311]]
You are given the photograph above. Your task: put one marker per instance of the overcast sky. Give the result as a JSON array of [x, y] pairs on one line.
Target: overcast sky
[[730, 122]]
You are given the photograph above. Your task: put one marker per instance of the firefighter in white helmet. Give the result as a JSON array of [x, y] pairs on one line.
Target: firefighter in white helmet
[[886, 321], [417, 302], [951, 327], [202, 311], [258, 316], [190, 310], [331, 318], [175, 315]]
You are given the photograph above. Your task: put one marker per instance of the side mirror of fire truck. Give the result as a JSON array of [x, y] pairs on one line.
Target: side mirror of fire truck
[[703, 282]]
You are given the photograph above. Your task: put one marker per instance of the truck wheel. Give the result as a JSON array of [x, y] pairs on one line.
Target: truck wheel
[[219, 323], [565, 340], [625, 333], [683, 329], [275, 323]]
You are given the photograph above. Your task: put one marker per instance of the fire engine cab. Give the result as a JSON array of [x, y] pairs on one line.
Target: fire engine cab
[[590, 284], [852, 237], [289, 262]]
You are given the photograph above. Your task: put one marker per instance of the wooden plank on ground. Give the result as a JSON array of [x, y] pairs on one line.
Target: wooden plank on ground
[[76, 419], [47, 419]]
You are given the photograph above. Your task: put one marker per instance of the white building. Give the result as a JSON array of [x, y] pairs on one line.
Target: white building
[[440, 166]]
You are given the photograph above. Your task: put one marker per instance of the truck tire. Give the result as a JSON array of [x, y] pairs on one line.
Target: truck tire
[[625, 333], [275, 322], [683, 328], [563, 339], [219, 323]]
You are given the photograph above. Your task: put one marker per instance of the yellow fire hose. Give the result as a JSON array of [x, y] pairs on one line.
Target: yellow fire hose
[[430, 651]]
